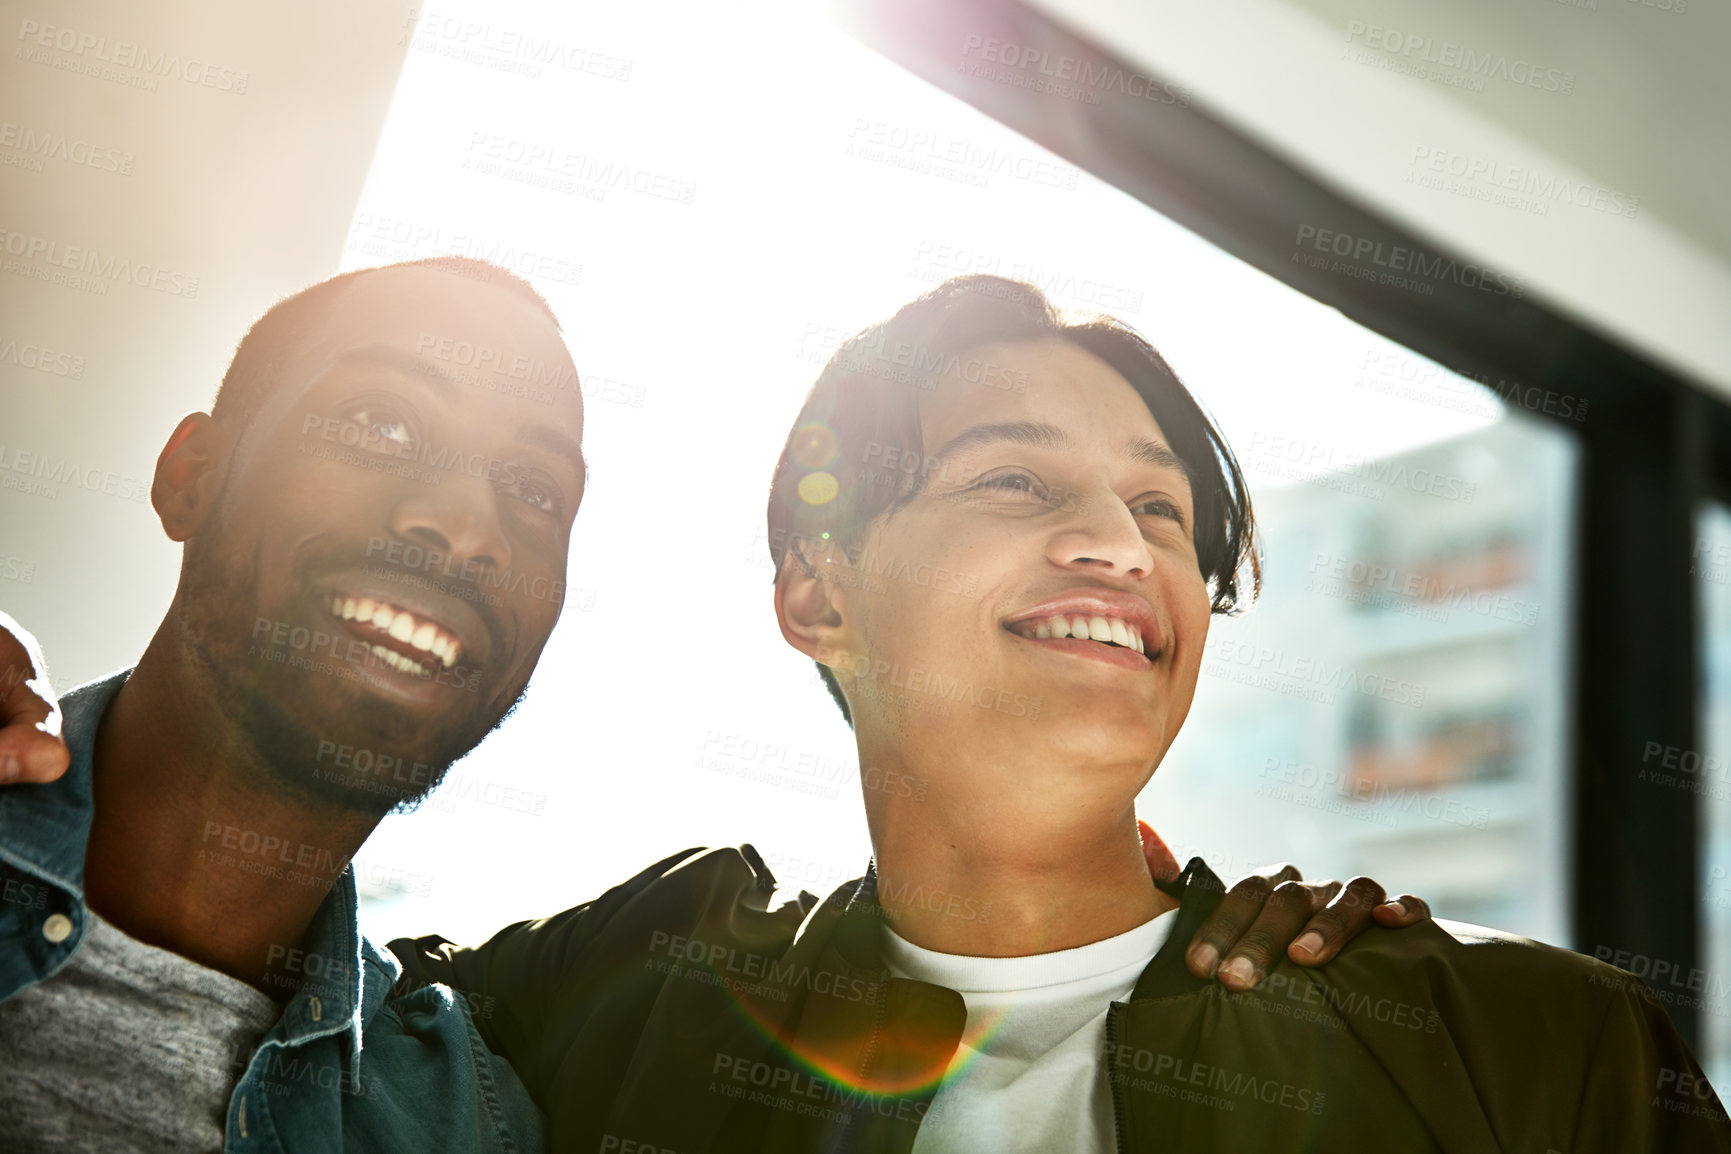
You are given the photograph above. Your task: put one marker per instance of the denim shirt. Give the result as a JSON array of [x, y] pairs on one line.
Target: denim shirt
[[345, 1066]]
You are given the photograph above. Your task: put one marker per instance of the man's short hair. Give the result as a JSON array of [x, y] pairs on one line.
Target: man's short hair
[[855, 451], [262, 351]]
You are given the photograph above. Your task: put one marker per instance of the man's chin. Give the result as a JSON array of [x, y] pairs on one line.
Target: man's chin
[[354, 750]]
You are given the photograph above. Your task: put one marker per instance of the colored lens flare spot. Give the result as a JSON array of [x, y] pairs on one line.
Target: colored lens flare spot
[[818, 488], [814, 446]]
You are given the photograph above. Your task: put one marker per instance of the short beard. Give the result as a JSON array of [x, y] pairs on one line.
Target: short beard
[[264, 732]]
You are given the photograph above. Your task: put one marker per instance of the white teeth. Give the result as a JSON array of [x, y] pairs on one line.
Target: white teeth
[[1060, 627], [1042, 631], [402, 626], [1098, 629], [1079, 627], [396, 660], [1120, 635], [1136, 642]]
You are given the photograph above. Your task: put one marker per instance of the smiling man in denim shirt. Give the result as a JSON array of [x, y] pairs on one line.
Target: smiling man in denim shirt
[[181, 966]]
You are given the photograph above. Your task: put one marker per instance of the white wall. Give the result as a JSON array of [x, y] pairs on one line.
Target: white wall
[[1638, 112], [222, 148]]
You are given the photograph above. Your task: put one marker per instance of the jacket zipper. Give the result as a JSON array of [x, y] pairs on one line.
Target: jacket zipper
[[1120, 1140], [879, 1013]]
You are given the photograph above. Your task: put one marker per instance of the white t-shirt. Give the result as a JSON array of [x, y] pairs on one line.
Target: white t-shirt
[[1027, 1074]]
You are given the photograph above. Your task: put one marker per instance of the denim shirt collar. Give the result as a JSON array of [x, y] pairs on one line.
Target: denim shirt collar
[[45, 829]]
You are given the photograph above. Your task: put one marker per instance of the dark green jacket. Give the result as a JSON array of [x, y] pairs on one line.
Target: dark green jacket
[[679, 1013]]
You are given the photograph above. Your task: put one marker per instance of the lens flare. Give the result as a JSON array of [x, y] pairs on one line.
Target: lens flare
[[818, 488]]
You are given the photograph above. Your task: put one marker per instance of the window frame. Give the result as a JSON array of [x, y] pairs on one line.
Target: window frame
[[1652, 445]]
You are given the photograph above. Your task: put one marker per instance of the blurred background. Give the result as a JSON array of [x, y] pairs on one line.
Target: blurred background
[[1455, 282]]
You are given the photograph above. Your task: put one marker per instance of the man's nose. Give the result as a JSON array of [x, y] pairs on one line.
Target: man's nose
[[1102, 533], [459, 517]]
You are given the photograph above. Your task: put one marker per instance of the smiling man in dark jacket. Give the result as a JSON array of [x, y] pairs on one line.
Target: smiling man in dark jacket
[[1006, 976], [374, 554]]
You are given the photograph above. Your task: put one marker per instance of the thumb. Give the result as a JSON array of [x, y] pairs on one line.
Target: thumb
[[30, 746], [1161, 864]]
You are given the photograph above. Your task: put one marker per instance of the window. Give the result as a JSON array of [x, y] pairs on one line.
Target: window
[[710, 215]]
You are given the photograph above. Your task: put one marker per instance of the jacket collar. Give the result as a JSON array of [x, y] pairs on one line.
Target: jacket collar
[[45, 830], [859, 921], [1198, 891]]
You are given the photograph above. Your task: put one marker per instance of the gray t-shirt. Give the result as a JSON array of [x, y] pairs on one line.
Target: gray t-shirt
[[128, 1048]]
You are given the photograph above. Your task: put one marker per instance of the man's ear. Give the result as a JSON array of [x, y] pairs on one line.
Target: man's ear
[[188, 475], [808, 607]]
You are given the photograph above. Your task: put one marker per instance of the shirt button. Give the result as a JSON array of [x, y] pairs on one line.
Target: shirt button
[[57, 928]]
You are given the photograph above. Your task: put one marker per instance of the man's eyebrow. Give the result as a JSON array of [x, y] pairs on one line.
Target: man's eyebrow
[[559, 444], [1044, 436], [384, 356], [1037, 434], [1158, 455]]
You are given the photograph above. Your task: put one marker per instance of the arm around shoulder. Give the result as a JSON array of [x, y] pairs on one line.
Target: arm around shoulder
[[515, 980]]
